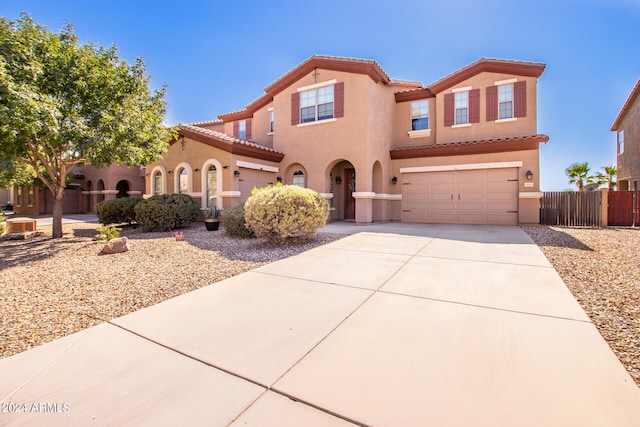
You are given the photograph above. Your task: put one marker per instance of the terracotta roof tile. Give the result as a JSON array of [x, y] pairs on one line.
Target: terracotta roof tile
[[632, 96], [223, 137], [514, 143], [207, 122]]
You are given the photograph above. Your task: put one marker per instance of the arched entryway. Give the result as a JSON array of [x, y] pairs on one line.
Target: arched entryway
[[122, 188], [342, 184], [100, 196]]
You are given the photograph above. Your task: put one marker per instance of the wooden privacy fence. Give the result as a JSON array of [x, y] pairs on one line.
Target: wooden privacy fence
[[623, 208], [568, 208]]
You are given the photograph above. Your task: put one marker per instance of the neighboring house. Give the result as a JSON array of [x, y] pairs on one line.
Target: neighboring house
[[88, 187], [6, 197], [627, 128], [464, 149]]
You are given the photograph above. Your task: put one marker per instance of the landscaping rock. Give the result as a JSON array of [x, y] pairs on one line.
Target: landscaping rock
[[117, 245]]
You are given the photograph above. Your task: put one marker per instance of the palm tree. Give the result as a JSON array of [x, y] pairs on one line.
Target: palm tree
[[608, 177], [579, 174]]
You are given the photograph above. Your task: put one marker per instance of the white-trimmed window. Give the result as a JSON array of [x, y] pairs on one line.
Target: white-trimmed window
[[212, 186], [242, 129], [18, 196], [31, 199], [271, 121], [157, 183], [183, 181], [620, 137], [316, 104], [298, 178], [420, 115], [461, 108], [505, 101]]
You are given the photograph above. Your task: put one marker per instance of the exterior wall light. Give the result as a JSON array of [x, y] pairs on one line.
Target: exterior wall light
[[394, 180], [236, 173], [279, 179], [196, 170], [529, 175]]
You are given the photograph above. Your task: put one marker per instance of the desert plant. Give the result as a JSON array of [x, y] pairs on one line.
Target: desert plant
[[211, 213], [165, 212], [117, 211], [107, 232], [233, 222], [288, 211], [3, 224]]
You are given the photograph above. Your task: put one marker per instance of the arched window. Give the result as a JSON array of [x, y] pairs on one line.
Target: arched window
[[183, 184], [157, 183], [298, 178], [212, 186]]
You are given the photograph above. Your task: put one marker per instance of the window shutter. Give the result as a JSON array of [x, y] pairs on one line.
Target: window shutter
[[492, 103], [520, 99], [235, 129], [295, 108], [474, 106], [338, 100], [247, 129], [449, 107]]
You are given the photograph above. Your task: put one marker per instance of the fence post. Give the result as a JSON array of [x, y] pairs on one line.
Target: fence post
[[605, 207]]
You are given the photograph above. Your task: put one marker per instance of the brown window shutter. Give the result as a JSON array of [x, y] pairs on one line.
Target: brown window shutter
[[235, 129], [474, 106], [247, 129], [492, 103], [295, 108], [449, 107], [520, 99], [338, 100]]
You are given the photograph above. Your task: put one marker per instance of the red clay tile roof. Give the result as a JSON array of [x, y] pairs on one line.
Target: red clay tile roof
[[518, 68], [516, 143], [207, 122], [229, 143], [632, 96]]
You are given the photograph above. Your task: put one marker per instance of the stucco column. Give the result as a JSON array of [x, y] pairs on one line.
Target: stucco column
[[364, 206]]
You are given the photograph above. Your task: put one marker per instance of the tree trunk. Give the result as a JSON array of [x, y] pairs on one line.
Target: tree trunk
[[56, 231]]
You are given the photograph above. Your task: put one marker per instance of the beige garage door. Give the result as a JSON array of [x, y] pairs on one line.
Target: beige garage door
[[483, 196], [253, 178]]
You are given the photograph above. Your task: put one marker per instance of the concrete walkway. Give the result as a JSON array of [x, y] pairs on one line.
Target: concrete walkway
[[398, 325]]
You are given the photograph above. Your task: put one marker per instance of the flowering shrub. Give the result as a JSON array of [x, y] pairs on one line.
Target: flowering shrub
[[178, 235], [285, 211]]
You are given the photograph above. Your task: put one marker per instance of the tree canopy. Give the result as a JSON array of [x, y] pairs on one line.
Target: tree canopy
[[607, 178], [579, 174], [63, 104]]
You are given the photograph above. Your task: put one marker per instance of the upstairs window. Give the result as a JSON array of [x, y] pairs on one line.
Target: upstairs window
[[461, 108], [505, 101], [420, 115], [242, 129], [620, 141], [271, 121], [316, 104]]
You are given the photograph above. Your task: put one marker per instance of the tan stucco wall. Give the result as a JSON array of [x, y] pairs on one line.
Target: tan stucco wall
[[487, 130], [629, 160], [402, 125]]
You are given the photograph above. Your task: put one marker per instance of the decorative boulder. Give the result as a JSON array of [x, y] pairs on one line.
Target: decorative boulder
[[117, 245]]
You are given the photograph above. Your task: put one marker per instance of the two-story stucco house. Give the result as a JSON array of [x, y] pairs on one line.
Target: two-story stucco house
[[461, 150], [627, 128]]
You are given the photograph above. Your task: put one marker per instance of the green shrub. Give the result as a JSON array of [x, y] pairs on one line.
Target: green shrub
[[3, 224], [117, 211], [107, 232], [233, 222], [283, 212], [165, 212]]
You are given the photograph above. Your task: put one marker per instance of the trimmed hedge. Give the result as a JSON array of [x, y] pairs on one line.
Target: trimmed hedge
[[117, 211], [165, 212], [285, 211], [233, 222]]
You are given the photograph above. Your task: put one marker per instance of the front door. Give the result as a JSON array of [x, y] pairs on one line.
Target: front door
[[349, 188]]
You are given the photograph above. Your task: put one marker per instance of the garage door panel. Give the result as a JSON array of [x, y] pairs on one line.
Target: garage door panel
[[484, 196]]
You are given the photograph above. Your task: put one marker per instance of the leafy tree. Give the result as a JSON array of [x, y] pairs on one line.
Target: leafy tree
[[607, 178], [579, 174], [64, 104]]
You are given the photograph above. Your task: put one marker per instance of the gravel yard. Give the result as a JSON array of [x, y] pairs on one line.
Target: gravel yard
[[601, 267], [52, 288]]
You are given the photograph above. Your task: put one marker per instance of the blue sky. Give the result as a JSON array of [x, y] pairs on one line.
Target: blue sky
[[218, 56]]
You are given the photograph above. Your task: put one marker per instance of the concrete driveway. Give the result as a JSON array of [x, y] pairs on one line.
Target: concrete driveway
[[398, 325]]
